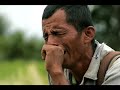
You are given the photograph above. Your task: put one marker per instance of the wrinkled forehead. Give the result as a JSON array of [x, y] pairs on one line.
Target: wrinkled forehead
[[58, 16], [49, 24]]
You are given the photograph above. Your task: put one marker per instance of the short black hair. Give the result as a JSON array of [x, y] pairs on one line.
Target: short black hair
[[77, 15]]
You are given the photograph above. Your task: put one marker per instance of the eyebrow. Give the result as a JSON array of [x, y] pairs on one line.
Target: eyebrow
[[60, 27]]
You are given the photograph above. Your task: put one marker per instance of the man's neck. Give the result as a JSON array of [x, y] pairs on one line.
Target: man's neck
[[82, 65]]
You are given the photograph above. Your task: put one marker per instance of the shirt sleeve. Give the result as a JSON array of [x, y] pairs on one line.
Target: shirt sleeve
[[112, 76]]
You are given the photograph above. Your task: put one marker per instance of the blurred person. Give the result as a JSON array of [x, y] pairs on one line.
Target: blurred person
[[72, 54]]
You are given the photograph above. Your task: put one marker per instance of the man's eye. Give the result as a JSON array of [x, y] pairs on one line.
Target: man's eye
[[55, 33], [45, 36]]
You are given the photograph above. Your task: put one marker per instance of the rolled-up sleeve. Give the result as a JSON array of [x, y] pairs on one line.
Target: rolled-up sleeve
[[112, 76]]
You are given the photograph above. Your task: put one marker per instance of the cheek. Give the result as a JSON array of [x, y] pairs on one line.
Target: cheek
[[69, 43]]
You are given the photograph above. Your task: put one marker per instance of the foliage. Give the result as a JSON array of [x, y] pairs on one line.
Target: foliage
[[4, 24], [15, 45], [106, 19]]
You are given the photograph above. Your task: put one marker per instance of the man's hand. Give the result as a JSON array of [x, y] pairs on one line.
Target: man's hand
[[54, 56]]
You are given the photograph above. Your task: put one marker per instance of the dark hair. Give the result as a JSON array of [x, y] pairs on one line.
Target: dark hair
[[77, 15]]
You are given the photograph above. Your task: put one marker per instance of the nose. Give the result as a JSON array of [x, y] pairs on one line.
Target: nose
[[52, 40]]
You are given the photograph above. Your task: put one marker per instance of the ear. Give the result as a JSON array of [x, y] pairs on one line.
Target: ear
[[89, 34]]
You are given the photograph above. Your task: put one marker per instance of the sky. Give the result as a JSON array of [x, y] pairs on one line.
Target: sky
[[26, 17]]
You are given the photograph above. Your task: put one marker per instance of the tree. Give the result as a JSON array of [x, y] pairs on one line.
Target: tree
[[107, 19], [3, 29], [3, 25], [15, 45]]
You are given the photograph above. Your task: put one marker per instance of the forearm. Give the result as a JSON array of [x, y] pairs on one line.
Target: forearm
[[54, 57], [58, 78]]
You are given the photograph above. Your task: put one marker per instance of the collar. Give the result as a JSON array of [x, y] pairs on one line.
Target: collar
[[101, 51]]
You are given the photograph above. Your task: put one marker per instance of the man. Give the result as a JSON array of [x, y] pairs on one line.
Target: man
[[70, 48]]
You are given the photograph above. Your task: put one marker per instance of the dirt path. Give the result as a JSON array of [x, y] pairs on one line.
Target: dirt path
[[35, 76]]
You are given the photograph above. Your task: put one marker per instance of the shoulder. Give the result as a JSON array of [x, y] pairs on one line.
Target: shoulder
[[114, 65], [113, 73]]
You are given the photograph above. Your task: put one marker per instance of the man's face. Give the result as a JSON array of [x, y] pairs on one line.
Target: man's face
[[57, 31]]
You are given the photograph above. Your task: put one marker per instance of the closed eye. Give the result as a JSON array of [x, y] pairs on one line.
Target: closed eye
[[54, 33], [45, 36], [57, 33]]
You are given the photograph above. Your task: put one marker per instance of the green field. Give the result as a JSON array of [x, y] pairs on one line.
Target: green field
[[21, 72]]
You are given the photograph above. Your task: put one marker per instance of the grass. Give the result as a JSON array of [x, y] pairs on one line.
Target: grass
[[21, 72]]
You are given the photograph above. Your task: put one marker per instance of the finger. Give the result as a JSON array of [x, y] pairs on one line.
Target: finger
[[63, 49]]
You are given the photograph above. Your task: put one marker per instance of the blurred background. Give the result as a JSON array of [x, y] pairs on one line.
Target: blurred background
[[21, 40]]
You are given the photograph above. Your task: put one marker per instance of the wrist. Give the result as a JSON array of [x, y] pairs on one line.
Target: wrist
[[58, 78], [55, 71]]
